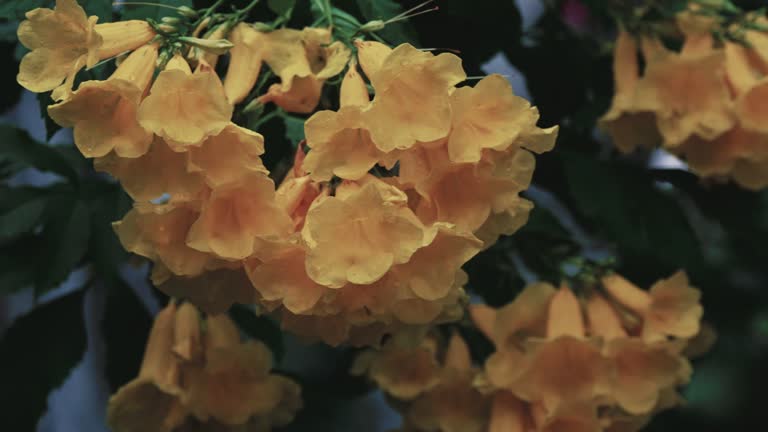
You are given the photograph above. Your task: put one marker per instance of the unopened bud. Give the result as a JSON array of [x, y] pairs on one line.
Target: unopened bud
[[187, 12], [171, 20], [213, 46], [372, 26], [166, 28]]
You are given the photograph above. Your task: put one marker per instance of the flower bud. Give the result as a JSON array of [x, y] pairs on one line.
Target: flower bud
[[186, 12], [213, 46]]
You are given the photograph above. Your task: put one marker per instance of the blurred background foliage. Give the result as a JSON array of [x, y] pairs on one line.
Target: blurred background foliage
[[594, 208]]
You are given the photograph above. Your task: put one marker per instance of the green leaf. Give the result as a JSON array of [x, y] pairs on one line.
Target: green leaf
[[22, 219], [153, 12], [65, 237], [36, 355], [259, 327], [126, 326], [100, 8], [395, 33], [107, 203], [648, 225], [51, 127], [18, 264], [14, 10], [17, 146], [281, 7]]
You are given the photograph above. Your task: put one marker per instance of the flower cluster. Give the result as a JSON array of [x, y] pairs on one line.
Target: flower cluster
[[705, 102], [198, 375], [395, 194], [385, 203], [432, 380], [607, 359]]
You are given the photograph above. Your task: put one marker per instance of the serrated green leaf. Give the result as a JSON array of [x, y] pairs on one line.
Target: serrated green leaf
[[260, 328], [36, 355], [153, 12], [17, 146], [126, 326], [65, 237]]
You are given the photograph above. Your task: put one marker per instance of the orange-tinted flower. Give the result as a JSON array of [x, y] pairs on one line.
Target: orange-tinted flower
[[240, 218], [185, 107], [159, 232], [169, 173], [488, 115], [303, 59], [213, 291], [688, 94], [412, 101], [378, 229], [103, 113], [62, 41], [245, 60], [227, 157]]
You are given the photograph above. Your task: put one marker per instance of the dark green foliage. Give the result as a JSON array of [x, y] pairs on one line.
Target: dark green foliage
[[125, 327], [36, 355]]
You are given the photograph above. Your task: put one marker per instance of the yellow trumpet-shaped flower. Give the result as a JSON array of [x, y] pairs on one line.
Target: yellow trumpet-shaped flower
[[103, 113], [197, 375], [378, 227], [303, 59], [240, 218], [340, 143], [245, 60], [488, 115], [159, 232], [184, 107], [228, 156], [62, 41], [689, 95], [170, 174], [412, 101]]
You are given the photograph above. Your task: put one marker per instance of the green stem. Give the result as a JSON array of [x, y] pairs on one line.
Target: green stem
[[119, 3]]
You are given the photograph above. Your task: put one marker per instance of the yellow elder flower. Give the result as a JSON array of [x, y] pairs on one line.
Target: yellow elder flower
[[670, 308], [62, 41], [103, 113], [340, 143], [628, 127], [376, 226], [240, 218], [283, 278], [412, 101], [169, 173], [65, 39], [341, 146], [150, 402], [229, 156], [303, 59], [159, 232], [234, 384], [468, 194], [245, 60], [183, 107], [642, 372], [689, 95], [225, 386], [488, 115]]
